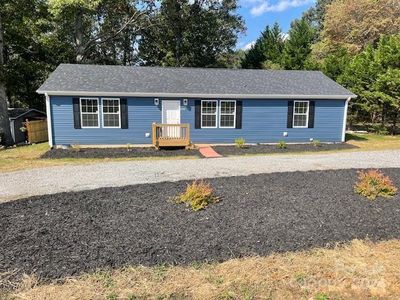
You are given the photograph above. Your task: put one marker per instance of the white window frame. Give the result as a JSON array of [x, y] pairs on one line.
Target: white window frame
[[301, 114], [108, 113], [234, 114], [209, 114], [98, 110]]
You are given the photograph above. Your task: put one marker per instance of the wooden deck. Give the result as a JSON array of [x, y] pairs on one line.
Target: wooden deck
[[171, 135]]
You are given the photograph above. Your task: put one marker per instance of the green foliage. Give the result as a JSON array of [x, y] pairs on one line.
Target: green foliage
[[316, 143], [281, 145], [298, 45], [240, 143], [187, 33], [198, 195], [267, 50], [373, 183], [374, 75]]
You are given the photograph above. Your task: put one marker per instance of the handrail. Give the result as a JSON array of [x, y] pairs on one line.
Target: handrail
[[171, 135]]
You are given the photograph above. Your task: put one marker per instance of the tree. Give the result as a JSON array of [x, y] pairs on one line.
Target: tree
[[298, 45], [267, 50], [353, 24], [316, 14], [90, 24], [4, 121], [191, 33], [373, 75]]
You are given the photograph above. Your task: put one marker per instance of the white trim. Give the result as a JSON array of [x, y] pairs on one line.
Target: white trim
[[234, 114], [98, 112], [49, 125], [162, 109], [301, 114], [345, 119], [188, 95], [102, 113], [209, 114]]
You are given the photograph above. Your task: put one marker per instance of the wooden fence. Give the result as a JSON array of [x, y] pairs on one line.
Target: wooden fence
[[37, 131], [171, 135]]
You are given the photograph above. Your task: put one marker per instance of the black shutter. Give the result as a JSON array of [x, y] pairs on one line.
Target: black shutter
[[197, 114], [124, 113], [311, 114], [239, 113], [77, 113], [290, 114]]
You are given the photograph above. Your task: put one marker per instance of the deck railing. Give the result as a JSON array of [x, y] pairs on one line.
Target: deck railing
[[171, 135]]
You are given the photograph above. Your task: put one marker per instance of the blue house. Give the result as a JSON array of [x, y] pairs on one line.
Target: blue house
[[104, 105]]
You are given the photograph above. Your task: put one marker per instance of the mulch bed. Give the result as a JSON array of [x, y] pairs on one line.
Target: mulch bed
[[66, 234], [260, 149], [118, 153]]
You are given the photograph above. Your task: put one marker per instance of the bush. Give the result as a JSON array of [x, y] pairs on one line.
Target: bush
[[379, 129], [198, 195], [240, 142], [316, 143], [282, 145], [373, 183], [2, 138]]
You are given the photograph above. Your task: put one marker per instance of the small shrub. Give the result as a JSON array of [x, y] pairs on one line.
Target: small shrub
[[2, 138], [240, 143], [316, 143], [373, 183], [379, 129], [198, 195], [282, 145], [129, 147]]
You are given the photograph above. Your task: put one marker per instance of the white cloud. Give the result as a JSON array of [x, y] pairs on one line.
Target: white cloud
[[264, 6], [248, 46]]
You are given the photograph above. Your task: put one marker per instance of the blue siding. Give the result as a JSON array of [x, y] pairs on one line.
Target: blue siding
[[264, 121]]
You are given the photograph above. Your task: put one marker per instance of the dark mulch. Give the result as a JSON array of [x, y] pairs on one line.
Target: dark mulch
[[69, 233], [260, 149], [118, 152]]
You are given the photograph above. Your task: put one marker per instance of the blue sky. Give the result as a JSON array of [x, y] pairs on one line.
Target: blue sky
[[260, 13]]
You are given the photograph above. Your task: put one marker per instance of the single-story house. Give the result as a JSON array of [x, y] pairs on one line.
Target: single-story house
[[17, 117], [117, 105]]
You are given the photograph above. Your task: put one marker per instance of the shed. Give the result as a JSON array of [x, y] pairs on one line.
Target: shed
[[17, 117]]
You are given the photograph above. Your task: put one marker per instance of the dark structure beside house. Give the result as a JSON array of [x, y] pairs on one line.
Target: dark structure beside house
[[17, 117]]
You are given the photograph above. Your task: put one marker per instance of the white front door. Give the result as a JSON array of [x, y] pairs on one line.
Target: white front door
[[171, 114]]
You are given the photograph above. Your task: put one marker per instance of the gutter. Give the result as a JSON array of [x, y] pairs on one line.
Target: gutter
[[346, 106], [49, 125]]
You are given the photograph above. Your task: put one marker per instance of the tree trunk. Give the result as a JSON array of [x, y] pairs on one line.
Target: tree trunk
[[79, 46], [4, 121]]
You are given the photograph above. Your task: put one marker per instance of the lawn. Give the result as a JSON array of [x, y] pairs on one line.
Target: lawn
[[27, 157]]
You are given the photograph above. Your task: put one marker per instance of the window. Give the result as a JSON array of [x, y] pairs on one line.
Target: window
[[300, 114], [227, 111], [209, 113], [111, 113], [89, 112]]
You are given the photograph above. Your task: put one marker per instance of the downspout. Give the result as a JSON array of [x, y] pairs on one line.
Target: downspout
[[346, 106], [49, 127]]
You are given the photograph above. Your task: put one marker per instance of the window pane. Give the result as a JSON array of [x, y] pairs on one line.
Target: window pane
[[209, 120], [227, 120], [90, 120], [111, 120], [227, 107], [209, 107], [300, 120], [301, 107]]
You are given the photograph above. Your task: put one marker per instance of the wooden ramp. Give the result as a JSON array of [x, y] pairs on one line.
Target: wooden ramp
[[209, 152]]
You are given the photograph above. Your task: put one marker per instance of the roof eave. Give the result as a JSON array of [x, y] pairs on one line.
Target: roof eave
[[189, 95]]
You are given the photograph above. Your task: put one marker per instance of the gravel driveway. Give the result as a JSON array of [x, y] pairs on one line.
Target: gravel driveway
[[69, 233], [20, 184]]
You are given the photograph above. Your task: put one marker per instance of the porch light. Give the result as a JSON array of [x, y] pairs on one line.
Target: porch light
[[156, 101], [185, 101]]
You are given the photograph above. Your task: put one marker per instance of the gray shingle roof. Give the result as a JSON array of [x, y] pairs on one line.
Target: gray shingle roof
[[71, 79]]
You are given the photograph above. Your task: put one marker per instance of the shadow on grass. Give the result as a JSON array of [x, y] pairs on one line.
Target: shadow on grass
[[353, 137]]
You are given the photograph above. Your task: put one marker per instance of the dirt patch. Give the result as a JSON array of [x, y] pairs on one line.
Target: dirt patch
[[118, 153], [66, 234], [290, 148]]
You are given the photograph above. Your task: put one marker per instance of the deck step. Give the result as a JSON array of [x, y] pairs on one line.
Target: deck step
[[209, 152]]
